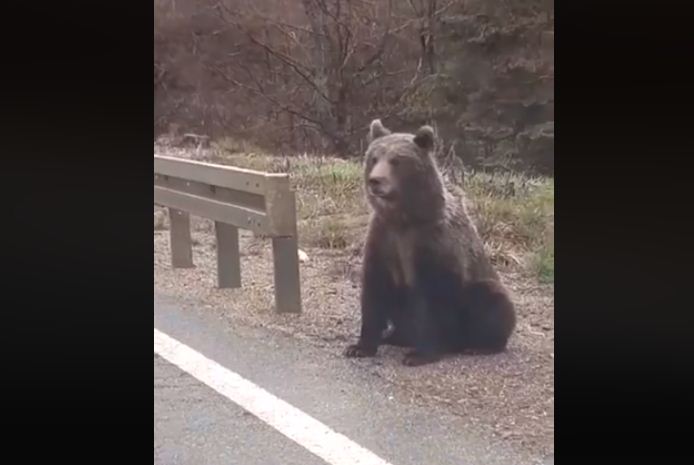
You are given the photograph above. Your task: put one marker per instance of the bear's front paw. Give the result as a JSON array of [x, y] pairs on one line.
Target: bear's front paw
[[414, 358], [356, 350]]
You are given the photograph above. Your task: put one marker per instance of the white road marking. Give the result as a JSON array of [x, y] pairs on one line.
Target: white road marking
[[333, 447]]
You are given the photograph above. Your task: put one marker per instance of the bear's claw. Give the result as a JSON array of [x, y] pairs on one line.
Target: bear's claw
[[356, 350]]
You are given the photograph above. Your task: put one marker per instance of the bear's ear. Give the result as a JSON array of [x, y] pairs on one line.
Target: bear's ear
[[377, 130], [424, 137]]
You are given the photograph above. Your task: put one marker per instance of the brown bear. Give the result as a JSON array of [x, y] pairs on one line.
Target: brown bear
[[425, 272]]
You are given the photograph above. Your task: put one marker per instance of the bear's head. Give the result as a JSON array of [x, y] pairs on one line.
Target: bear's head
[[402, 180]]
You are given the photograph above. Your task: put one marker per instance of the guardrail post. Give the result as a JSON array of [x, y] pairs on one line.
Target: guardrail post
[[228, 256], [181, 241], [285, 253]]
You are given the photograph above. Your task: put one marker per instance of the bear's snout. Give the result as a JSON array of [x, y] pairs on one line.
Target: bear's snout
[[378, 186]]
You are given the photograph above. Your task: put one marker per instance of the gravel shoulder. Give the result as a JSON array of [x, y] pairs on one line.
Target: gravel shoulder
[[510, 395]]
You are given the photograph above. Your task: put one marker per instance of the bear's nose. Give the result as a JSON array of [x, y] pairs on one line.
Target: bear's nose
[[375, 182]]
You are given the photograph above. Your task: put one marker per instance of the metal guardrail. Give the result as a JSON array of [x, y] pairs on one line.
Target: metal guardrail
[[233, 198]]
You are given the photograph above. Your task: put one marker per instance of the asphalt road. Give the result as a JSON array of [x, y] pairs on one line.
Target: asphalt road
[[194, 424]]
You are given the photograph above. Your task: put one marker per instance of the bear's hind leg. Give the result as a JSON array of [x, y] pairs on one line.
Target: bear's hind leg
[[489, 318]]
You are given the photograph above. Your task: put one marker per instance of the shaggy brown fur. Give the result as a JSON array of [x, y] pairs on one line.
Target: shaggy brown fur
[[425, 270]]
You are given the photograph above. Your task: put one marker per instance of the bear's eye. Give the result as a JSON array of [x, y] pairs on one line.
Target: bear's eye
[[394, 162]]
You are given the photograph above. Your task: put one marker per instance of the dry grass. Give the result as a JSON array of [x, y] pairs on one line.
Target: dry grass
[[515, 217], [330, 202], [233, 145], [514, 213]]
